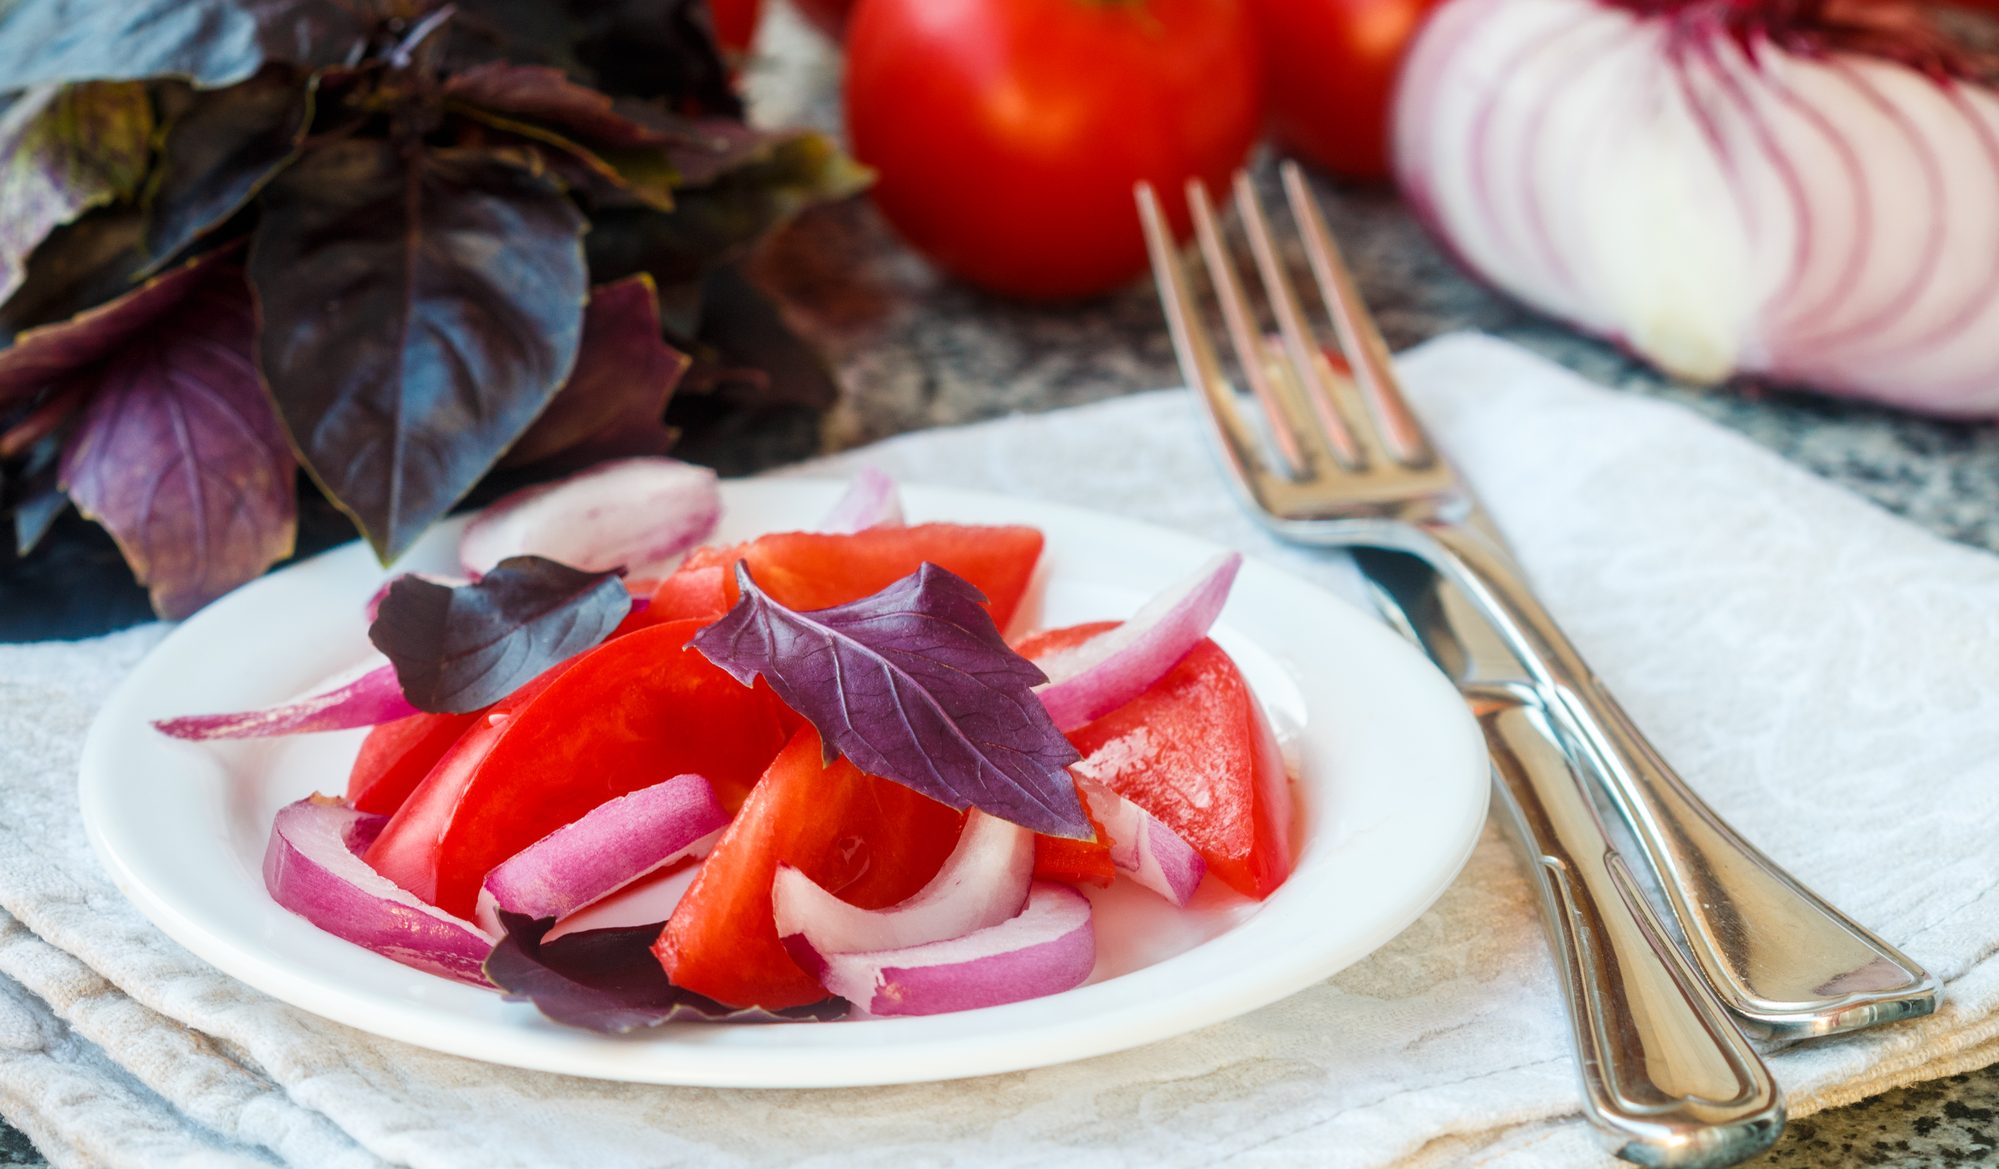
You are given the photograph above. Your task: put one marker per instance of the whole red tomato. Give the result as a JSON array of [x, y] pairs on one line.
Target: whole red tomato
[[1007, 134], [829, 15], [1329, 67], [736, 22]]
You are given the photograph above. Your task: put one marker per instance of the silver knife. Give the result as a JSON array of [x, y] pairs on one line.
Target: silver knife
[[1667, 1076]]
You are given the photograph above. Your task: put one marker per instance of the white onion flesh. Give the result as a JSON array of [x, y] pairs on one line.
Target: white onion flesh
[[313, 867], [1830, 220], [613, 845], [1090, 680], [871, 501], [982, 883], [1049, 947], [638, 514], [1144, 849]]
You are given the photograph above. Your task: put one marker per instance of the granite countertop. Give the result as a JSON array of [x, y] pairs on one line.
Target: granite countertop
[[914, 351]]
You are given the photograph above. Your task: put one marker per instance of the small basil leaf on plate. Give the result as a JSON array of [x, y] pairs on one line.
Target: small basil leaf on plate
[[914, 684], [458, 649], [608, 980]]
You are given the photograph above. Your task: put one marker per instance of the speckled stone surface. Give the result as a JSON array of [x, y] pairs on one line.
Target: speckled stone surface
[[915, 351]]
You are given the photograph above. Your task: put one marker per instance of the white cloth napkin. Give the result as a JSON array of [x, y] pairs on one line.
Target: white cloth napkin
[[1828, 675]]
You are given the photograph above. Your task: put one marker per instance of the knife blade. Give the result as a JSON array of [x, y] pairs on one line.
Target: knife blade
[[1666, 1074]]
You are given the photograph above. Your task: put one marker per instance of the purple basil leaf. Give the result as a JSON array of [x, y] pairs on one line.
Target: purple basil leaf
[[608, 980], [64, 150], [179, 455], [78, 268], [914, 684], [221, 149], [420, 308], [611, 406], [208, 42], [549, 97], [42, 356], [458, 649], [661, 49]]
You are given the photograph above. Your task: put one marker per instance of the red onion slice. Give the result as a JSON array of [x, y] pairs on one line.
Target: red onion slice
[[637, 513], [1049, 947], [871, 501], [983, 883], [613, 845], [368, 696], [1143, 848], [1090, 680], [313, 868]]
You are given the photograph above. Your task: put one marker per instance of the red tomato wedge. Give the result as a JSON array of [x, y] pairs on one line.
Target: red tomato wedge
[[397, 755], [1079, 862], [817, 570], [869, 840], [1195, 751], [633, 711]]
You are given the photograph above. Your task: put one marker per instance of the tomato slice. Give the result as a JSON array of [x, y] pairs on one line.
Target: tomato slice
[[1195, 751], [1079, 862], [817, 570], [397, 755], [872, 841], [631, 712]]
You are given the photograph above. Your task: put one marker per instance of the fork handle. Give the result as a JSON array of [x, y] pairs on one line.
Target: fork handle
[[1666, 1075], [1787, 963]]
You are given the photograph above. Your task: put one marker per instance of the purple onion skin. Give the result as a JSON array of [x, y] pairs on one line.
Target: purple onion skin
[[312, 869], [370, 700], [1048, 968]]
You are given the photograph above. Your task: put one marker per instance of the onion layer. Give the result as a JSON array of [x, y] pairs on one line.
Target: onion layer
[[871, 501], [1049, 947], [640, 514], [370, 698], [313, 868], [613, 845], [983, 882], [1804, 192], [1092, 679], [1144, 849]]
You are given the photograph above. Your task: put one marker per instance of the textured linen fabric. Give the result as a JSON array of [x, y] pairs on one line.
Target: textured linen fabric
[[1825, 673]]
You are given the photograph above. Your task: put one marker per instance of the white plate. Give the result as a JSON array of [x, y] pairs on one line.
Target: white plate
[[1391, 794]]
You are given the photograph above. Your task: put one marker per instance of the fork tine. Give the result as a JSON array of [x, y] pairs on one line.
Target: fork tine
[[1350, 448], [1242, 330], [1366, 352], [1190, 340]]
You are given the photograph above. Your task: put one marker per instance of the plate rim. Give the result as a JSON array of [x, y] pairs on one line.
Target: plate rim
[[1109, 1027]]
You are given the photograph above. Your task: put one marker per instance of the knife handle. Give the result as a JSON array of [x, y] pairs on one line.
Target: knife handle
[[1790, 965], [1665, 1073]]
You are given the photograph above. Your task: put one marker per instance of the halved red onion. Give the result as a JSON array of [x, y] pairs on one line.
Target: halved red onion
[[313, 868], [613, 845], [871, 501], [983, 882], [1090, 680], [1050, 946], [366, 696], [1144, 849], [637, 513]]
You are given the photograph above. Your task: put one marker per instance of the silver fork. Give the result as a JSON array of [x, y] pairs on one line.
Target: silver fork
[[1346, 463]]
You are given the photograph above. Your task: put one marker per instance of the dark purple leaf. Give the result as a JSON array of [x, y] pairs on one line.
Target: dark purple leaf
[[419, 308], [757, 353], [608, 980], [548, 97], [33, 495], [208, 42], [914, 684], [178, 454], [41, 357], [221, 149], [64, 150], [654, 49], [612, 405], [458, 649], [78, 268]]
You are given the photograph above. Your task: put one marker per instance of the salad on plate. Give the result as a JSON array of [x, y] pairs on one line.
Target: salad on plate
[[847, 790]]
